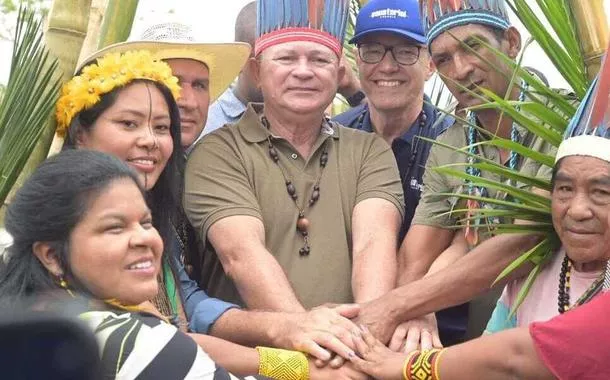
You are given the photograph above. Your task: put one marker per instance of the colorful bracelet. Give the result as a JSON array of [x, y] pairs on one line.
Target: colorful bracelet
[[407, 365], [282, 364], [422, 365]]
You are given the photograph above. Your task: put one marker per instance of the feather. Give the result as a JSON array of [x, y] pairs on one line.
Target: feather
[[315, 12]]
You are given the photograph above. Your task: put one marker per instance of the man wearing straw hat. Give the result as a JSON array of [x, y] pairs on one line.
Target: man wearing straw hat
[[293, 210]]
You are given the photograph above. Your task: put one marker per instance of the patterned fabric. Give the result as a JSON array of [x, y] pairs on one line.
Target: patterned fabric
[[441, 15], [144, 347]]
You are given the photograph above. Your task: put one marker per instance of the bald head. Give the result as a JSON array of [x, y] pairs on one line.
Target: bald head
[[245, 24]]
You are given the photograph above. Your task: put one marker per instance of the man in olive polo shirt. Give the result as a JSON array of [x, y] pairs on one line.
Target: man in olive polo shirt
[[295, 211]]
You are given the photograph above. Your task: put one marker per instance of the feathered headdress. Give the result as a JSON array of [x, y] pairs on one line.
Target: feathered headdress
[[589, 131], [441, 15], [320, 21]]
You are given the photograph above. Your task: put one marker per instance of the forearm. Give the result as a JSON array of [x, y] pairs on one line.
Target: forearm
[[375, 226], [457, 250], [374, 272], [261, 282], [507, 355], [237, 359], [250, 328], [465, 279], [420, 248]]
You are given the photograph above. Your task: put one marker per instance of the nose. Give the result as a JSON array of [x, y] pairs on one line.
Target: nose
[[302, 69], [579, 207], [147, 138], [146, 238], [186, 100], [388, 63], [462, 67]]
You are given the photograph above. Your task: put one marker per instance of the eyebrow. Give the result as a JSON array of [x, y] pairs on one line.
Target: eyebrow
[[475, 38], [601, 180], [200, 79]]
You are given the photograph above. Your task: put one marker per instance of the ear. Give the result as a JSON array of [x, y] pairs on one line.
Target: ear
[[513, 37], [430, 66], [340, 73], [81, 138], [48, 257], [255, 67]]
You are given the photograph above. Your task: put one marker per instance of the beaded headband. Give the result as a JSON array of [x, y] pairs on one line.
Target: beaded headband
[[441, 15], [111, 71]]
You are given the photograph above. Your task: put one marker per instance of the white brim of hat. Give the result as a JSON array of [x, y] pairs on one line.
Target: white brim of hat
[[585, 145], [224, 60]]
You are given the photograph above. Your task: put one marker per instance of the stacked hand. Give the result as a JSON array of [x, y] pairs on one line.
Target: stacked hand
[[416, 334], [320, 332]]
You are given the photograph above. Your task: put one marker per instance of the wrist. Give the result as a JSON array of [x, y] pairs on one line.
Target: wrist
[[282, 364]]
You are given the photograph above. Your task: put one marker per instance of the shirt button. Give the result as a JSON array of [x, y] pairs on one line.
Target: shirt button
[[294, 156]]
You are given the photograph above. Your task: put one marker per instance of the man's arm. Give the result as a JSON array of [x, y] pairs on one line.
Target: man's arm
[[201, 310], [465, 279], [420, 248], [317, 332], [239, 242], [375, 225]]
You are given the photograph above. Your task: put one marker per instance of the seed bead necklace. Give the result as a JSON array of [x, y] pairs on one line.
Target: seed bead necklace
[[302, 225], [563, 294]]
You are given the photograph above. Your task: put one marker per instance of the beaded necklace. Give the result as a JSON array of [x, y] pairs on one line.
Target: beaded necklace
[[470, 232], [563, 294], [303, 223]]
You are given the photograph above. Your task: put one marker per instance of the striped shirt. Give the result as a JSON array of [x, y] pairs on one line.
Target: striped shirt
[[141, 346]]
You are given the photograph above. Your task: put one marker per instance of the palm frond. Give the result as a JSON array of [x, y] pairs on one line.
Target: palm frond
[[564, 51], [28, 102]]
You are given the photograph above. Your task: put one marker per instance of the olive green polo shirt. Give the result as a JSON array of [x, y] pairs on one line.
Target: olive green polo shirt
[[230, 173], [432, 209]]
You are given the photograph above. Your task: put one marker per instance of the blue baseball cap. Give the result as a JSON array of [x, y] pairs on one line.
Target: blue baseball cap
[[395, 16]]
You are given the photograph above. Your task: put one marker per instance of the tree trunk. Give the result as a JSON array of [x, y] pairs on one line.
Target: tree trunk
[[592, 28], [118, 20]]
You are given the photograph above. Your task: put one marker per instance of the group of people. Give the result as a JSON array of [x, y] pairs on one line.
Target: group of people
[[261, 238]]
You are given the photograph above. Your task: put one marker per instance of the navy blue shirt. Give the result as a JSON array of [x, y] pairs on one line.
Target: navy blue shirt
[[411, 167], [452, 322]]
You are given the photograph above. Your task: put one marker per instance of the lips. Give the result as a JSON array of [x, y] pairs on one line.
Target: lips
[[145, 164], [388, 83], [143, 266]]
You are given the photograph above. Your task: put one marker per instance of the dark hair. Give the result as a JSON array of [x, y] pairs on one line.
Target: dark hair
[[554, 174], [46, 209], [164, 199]]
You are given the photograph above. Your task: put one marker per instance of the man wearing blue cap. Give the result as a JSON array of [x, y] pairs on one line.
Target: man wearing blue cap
[[457, 32], [394, 64]]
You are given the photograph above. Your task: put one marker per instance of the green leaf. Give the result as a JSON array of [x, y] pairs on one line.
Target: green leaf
[[29, 100], [523, 195]]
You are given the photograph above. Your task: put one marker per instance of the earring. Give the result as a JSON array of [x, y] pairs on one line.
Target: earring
[[64, 285]]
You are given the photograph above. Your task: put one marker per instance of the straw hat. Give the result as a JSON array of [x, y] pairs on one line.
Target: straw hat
[[175, 40]]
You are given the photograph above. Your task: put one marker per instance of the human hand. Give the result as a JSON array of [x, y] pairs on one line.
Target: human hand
[[319, 331], [349, 83], [374, 315], [374, 358], [346, 372], [416, 334]]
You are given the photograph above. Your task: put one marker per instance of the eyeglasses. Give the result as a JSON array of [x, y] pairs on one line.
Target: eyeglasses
[[374, 53]]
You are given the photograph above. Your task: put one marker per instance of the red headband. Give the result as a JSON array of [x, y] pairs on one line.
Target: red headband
[[297, 34]]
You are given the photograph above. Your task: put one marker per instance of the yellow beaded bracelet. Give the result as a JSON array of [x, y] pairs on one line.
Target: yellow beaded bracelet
[[282, 364]]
